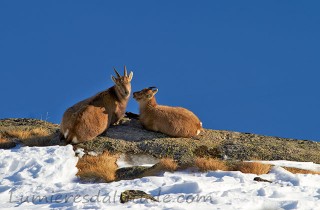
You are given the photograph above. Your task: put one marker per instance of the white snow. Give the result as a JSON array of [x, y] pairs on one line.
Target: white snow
[[45, 177], [302, 165], [126, 160]]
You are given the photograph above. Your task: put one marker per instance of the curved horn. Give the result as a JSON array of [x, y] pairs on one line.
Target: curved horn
[[117, 73], [125, 71]]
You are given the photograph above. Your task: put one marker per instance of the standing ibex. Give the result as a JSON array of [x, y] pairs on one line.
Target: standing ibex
[[173, 121], [91, 117]]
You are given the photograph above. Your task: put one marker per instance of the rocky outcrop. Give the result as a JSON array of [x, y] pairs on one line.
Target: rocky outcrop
[[130, 195], [130, 137]]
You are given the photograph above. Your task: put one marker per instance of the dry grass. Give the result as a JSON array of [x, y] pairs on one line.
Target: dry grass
[[4, 140], [168, 164], [300, 171], [40, 141], [210, 164], [255, 158], [252, 167], [98, 168], [6, 143], [165, 164], [29, 136], [26, 132]]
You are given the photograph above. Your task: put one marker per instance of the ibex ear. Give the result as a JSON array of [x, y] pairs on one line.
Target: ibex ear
[[155, 91], [130, 76], [114, 79]]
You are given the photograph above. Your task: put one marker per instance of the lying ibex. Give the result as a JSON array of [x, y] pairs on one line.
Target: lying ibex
[[173, 121], [91, 117]]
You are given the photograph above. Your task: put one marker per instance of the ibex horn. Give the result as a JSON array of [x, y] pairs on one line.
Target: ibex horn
[[117, 73], [125, 71]]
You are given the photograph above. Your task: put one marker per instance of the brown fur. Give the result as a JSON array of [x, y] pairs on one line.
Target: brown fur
[[91, 117], [173, 121]]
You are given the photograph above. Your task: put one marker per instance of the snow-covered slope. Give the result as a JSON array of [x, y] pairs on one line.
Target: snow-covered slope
[[34, 177]]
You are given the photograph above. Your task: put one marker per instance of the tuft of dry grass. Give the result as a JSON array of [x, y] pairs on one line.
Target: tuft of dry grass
[[98, 168], [165, 164], [210, 164], [168, 164], [40, 141], [300, 171], [29, 136], [26, 133], [252, 167], [6, 143]]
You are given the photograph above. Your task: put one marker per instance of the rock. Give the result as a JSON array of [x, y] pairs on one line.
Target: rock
[[130, 172], [131, 115], [140, 171], [259, 179], [135, 194], [130, 137]]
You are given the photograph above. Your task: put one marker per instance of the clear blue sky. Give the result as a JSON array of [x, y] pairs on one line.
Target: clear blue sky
[[249, 66]]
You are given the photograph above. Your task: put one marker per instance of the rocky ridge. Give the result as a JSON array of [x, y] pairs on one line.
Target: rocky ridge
[[129, 137]]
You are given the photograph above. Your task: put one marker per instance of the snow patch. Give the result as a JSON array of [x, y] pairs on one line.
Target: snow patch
[[128, 160], [45, 178], [187, 187], [302, 165], [38, 165], [285, 177]]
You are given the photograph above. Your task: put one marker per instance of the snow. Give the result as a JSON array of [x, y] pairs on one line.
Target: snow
[[45, 177], [301, 165], [127, 160]]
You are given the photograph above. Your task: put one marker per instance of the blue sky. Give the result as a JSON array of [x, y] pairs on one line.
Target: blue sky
[[249, 66]]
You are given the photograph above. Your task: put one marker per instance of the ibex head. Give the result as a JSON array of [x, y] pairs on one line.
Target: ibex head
[[145, 94], [122, 83]]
